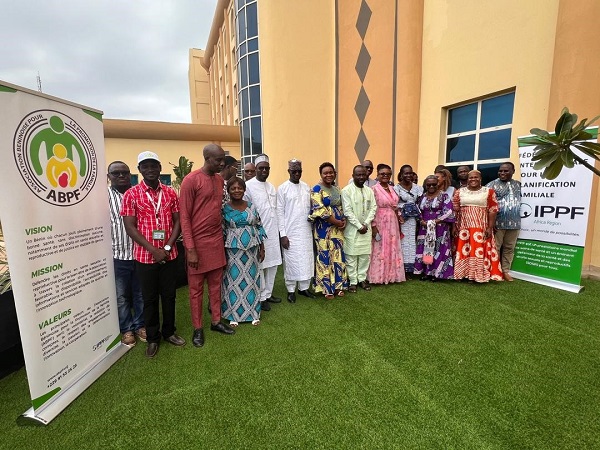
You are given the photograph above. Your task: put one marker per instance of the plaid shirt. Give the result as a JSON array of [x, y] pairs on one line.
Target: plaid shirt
[[137, 204]]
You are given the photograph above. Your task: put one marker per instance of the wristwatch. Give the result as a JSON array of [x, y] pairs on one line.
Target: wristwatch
[[167, 248]]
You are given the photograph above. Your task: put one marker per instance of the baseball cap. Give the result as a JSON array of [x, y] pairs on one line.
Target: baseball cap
[[147, 155]]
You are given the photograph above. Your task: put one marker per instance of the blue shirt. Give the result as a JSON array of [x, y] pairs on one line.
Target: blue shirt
[[508, 194]]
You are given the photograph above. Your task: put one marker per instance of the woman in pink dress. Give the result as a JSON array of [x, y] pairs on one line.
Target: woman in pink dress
[[386, 259]]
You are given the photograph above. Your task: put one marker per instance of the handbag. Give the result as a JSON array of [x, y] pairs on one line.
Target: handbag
[[410, 210]]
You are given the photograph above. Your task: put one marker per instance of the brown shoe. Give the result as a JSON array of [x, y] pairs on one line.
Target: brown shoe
[[128, 339], [178, 341], [507, 277], [151, 350], [141, 334]]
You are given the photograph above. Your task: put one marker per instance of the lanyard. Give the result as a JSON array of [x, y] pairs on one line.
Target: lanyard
[[156, 206]]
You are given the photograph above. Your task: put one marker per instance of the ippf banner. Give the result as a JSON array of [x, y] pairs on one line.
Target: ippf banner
[[54, 214], [554, 218]]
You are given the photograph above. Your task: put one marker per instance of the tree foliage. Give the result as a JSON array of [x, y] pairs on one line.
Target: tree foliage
[[553, 151], [180, 170]]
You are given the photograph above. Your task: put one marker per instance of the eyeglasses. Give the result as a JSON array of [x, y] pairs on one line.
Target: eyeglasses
[[119, 173], [386, 175], [296, 171], [431, 185]]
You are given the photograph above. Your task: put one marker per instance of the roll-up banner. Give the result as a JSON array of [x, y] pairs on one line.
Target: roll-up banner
[[55, 221], [554, 219]]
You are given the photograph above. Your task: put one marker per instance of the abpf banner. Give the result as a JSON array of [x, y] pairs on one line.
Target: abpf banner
[[554, 218], [54, 214]]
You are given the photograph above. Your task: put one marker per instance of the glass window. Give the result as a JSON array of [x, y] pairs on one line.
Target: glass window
[[253, 45], [255, 100], [494, 144], [134, 179], [480, 132], [497, 111], [241, 26], [256, 130], [463, 118], [243, 70], [247, 150], [460, 149], [245, 111], [165, 179], [243, 50], [251, 22], [253, 69], [489, 172]]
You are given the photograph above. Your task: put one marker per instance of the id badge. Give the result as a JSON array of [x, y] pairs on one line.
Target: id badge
[[158, 235]]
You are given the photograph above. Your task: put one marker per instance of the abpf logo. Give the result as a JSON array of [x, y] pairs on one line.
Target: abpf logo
[[56, 157]]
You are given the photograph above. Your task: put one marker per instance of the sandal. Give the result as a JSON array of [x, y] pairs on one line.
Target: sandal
[[365, 285], [352, 289], [233, 324], [328, 296], [340, 293], [256, 322]]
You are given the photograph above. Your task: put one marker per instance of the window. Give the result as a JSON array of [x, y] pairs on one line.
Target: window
[[479, 135]]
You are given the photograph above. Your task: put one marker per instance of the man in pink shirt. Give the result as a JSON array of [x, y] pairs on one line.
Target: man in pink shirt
[[201, 197]]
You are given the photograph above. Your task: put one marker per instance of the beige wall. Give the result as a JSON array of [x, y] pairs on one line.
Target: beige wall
[[297, 63], [199, 88], [474, 49]]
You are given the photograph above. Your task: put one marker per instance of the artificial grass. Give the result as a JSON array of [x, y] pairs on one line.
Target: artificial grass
[[416, 365]]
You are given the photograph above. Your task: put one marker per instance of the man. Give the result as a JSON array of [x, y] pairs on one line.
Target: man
[[359, 206], [295, 231], [249, 171], [201, 199], [508, 219], [263, 196], [462, 175], [368, 165], [129, 294], [229, 171], [150, 213]]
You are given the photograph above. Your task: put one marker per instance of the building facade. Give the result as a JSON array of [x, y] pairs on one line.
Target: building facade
[[420, 82]]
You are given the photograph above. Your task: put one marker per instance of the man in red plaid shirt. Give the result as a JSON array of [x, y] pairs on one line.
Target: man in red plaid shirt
[[150, 213]]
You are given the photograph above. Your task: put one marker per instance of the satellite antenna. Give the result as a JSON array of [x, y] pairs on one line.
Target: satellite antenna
[[39, 82]]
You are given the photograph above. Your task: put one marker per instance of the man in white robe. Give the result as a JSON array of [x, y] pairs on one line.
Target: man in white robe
[[263, 196], [295, 231], [359, 206]]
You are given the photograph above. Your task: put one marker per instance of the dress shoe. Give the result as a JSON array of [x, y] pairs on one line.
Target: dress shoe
[[507, 277], [175, 340], [264, 306], [272, 299], [291, 297], [221, 328], [307, 293], [151, 350], [198, 338]]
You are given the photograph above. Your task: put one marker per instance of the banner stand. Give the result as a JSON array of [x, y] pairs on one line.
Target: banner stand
[[42, 416], [547, 282]]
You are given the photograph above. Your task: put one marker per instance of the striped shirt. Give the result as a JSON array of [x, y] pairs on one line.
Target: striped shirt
[[140, 202], [122, 244]]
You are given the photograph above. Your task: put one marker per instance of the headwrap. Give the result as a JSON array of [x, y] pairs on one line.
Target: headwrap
[[294, 164]]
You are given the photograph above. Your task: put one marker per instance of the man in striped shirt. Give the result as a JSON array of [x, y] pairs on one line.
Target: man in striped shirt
[[150, 212], [129, 294]]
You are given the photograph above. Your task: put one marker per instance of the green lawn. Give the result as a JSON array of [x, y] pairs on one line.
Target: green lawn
[[417, 365]]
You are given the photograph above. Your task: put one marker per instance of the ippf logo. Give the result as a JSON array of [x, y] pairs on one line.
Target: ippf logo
[[551, 211], [55, 157]]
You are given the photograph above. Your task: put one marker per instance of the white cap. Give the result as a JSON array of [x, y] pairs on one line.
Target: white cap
[[261, 158], [147, 155]]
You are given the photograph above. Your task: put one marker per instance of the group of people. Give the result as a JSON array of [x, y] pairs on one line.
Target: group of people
[[237, 232]]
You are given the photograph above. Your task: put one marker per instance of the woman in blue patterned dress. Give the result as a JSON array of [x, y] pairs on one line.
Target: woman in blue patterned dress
[[244, 249]]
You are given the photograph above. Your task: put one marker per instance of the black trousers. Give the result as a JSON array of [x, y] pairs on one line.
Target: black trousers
[[158, 280]]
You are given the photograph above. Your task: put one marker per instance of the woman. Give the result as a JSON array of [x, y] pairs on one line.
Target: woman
[[476, 256], [444, 178], [329, 222], [434, 241], [386, 261], [408, 193], [245, 250]]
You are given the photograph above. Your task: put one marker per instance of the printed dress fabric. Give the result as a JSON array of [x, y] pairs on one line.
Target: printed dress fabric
[[409, 227], [330, 261], [476, 258], [386, 261], [241, 279], [437, 208]]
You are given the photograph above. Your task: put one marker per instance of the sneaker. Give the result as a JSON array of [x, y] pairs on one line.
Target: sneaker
[[128, 339], [141, 334]]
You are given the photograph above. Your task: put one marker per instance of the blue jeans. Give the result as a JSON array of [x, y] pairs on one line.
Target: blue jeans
[[129, 296]]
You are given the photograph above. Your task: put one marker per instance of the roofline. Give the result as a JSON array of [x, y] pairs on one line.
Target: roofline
[[169, 131], [213, 37]]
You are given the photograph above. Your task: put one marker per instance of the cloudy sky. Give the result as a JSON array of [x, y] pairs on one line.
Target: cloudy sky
[[128, 58]]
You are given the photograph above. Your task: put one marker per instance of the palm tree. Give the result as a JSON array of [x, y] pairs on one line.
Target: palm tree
[[181, 170], [553, 151]]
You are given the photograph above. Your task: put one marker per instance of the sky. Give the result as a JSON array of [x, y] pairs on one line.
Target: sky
[[128, 58]]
